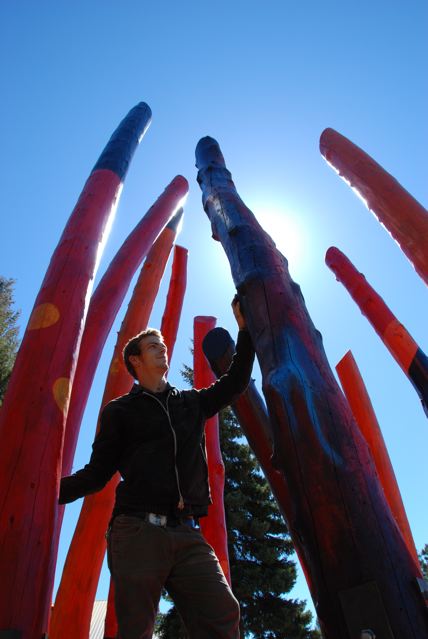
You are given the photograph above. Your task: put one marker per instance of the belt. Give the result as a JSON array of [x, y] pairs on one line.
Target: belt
[[167, 520]]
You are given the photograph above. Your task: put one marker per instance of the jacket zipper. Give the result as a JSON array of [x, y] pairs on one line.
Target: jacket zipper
[[174, 436]]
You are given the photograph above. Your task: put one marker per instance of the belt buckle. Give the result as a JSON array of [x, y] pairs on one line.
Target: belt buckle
[[157, 520]]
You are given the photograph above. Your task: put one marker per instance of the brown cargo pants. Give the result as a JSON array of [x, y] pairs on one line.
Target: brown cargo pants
[[144, 558]]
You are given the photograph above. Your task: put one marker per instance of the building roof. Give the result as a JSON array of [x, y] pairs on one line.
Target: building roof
[[97, 622]]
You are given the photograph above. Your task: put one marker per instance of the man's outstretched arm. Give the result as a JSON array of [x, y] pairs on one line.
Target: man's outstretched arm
[[103, 463]]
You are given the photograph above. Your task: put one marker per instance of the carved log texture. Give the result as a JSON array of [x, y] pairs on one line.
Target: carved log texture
[[35, 407], [71, 615], [214, 526], [361, 573], [396, 338], [169, 329], [395, 208], [362, 409]]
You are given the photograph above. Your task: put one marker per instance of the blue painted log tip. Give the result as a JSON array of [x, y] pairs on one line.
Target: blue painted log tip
[[216, 342], [208, 153], [119, 150], [418, 374], [175, 221]]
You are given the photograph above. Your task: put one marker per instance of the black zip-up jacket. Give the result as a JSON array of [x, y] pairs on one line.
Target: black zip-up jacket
[[156, 441]]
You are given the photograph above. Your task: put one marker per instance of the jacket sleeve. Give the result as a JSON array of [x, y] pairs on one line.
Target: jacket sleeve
[[106, 451], [222, 392]]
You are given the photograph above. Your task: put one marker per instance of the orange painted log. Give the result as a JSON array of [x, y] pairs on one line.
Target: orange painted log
[[214, 525], [169, 329], [175, 298], [396, 338], [395, 208], [107, 299], [35, 407], [71, 615], [362, 409]]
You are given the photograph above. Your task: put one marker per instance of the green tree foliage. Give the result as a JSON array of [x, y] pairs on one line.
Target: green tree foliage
[[260, 549], [8, 333], [423, 558]]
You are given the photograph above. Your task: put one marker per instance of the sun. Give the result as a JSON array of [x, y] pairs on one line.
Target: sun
[[283, 226]]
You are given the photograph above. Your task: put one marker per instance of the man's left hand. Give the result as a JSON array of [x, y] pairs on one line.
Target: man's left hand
[[236, 308]]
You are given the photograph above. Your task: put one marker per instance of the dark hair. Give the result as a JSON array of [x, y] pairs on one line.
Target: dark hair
[[133, 348]]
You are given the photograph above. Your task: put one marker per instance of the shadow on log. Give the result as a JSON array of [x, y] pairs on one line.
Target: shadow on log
[[361, 573]]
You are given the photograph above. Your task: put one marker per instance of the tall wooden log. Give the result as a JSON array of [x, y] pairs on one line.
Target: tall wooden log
[[110, 624], [361, 572], [396, 338], [362, 409], [107, 299], [72, 611], [33, 415], [214, 526], [174, 301], [395, 208], [103, 308], [169, 329]]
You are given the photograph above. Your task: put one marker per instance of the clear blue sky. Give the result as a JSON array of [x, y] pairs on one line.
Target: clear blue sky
[[264, 79]]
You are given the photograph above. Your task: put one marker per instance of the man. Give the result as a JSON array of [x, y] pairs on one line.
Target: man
[[154, 436]]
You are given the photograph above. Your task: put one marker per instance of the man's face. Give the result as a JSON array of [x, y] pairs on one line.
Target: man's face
[[153, 354]]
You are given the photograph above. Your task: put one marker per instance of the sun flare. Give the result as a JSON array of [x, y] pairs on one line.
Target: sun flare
[[284, 228]]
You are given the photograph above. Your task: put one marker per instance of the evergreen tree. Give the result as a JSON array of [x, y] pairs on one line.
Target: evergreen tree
[[8, 333], [423, 558], [259, 549]]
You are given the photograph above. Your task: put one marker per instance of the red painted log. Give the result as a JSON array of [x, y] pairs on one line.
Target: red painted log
[[35, 407], [110, 624], [362, 409], [395, 208], [250, 411], [396, 338], [214, 525], [361, 572], [107, 299], [71, 615], [175, 298], [103, 308], [169, 329]]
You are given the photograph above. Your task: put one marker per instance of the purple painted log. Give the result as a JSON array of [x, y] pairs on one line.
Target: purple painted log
[[250, 411], [361, 572]]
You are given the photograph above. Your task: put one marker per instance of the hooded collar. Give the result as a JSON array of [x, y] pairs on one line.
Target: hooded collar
[[137, 389]]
